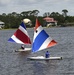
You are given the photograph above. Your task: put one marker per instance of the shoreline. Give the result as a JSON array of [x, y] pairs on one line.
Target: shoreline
[[43, 27]]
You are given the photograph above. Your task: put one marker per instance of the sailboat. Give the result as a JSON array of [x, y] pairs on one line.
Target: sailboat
[[41, 41], [21, 37]]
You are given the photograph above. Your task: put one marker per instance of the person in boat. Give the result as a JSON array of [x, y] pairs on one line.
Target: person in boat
[[22, 46], [47, 54]]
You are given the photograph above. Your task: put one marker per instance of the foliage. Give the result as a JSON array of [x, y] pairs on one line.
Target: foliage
[[13, 20]]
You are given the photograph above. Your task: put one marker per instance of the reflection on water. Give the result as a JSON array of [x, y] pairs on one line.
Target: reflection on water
[[16, 63]]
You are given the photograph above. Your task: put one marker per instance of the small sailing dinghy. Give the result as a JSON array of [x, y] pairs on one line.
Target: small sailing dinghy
[[21, 37], [41, 41], [44, 58]]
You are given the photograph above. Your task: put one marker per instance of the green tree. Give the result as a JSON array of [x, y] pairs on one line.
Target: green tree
[[46, 14], [65, 16], [65, 12], [35, 12]]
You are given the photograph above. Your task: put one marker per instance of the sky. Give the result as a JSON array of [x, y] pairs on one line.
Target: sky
[[9, 6]]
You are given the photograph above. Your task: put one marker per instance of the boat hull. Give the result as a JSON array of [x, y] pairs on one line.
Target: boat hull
[[23, 50], [43, 58]]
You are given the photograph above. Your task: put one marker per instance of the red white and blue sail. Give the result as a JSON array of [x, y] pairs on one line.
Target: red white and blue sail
[[21, 35], [41, 39]]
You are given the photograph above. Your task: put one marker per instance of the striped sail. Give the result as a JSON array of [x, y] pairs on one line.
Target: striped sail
[[41, 39], [21, 35]]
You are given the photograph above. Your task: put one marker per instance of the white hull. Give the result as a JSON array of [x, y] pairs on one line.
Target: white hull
[[43, 58], [23, 50]]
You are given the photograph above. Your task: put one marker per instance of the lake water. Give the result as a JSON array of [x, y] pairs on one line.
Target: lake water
[[15, 63]]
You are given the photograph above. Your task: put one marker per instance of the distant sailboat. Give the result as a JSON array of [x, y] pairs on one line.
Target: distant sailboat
[[21, 37], [41, 41]]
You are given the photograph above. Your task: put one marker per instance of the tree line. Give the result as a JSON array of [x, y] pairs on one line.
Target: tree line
[[13, 20]]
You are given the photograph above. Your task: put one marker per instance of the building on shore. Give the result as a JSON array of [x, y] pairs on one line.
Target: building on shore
[[2, 24], [49, 22]]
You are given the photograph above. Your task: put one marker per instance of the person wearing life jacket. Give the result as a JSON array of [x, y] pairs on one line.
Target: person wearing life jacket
[[47, 54]]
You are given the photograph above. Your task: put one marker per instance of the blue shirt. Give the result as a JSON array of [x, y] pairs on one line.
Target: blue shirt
[[47, 55]]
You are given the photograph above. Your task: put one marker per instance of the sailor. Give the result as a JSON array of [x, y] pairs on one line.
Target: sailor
[[47, 54], [22, 46]]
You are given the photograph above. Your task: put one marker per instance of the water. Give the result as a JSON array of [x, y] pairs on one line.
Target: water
[[15, 63]]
